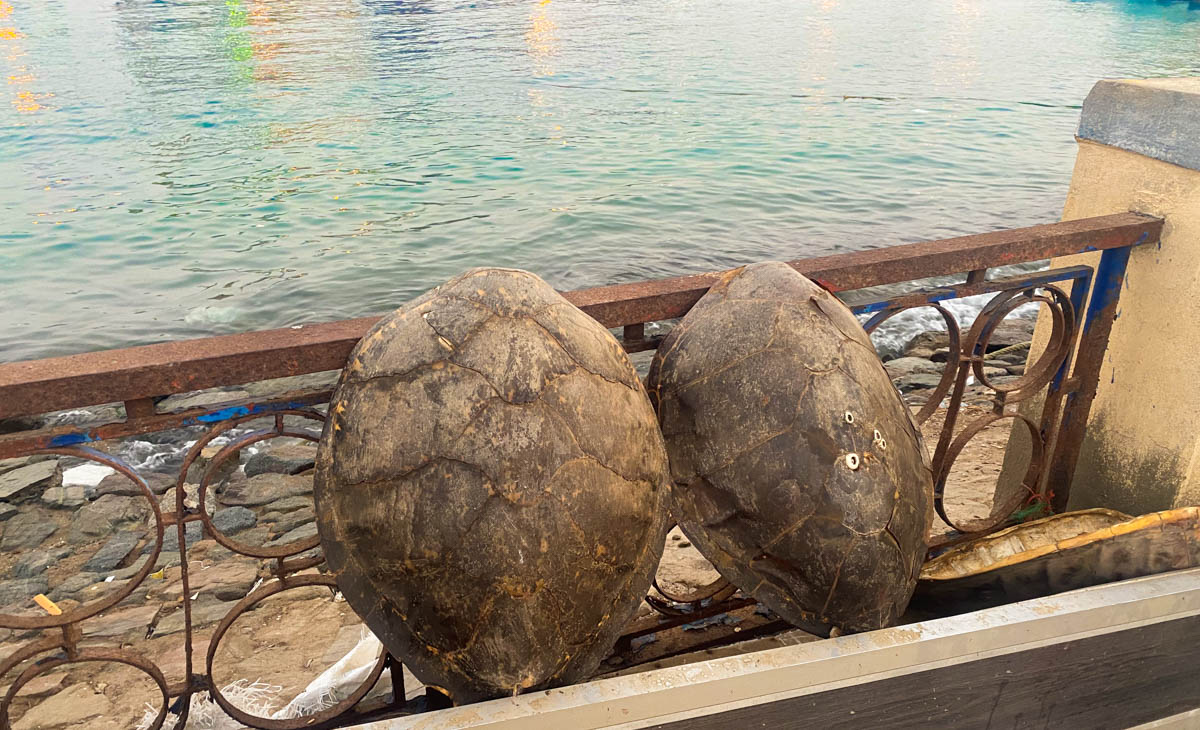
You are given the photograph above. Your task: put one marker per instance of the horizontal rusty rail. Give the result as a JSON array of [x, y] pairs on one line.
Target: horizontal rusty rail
[[136, 373]]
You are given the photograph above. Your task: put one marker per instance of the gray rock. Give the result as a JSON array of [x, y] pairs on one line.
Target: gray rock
[[121, 486], [184, 401], [929, 340], [1011, 331], [232, 520], [65, 497], [200, 466], [1012, 370], [266, 488], [167, 559], [916, 381], [991, 372], [7, 465], [35, 562], [110, 555], [21, 590], [909, 365], [923, 353], [310, 381], [940, 355], [172, 436], [193, 532], [1013, 357], [291, 536], [257, 535], [127, 573], [286, 459], [27, 482], [287, 521], [203, 614], [191, 499], [1004, 379], [73, 585], [133, 621], [291, 504], [105, 516], [7, 511], [26, 530]]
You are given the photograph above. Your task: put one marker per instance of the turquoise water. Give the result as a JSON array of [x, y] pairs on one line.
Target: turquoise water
[[175, 169]]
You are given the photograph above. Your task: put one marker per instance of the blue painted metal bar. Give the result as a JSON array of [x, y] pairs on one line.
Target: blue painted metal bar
[[1089, 358]]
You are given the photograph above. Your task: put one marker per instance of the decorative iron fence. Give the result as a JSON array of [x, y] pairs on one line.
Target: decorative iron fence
[[1081, 300]]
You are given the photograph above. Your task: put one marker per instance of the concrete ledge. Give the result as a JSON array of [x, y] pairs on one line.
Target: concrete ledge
[[1114, 655], [1158, 118]]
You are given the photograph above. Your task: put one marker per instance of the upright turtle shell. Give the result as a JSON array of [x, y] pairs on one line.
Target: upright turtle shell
[[491, 486], [797, 469]]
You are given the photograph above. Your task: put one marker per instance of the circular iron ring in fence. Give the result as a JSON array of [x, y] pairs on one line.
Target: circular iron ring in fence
[[998, 515], [1058, 345], [266, 723], [99, 605], [90, 655], [952, 357], [231, 450]]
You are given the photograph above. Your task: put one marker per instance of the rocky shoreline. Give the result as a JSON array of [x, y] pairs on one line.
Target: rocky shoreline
[[76, 532], [920, 363]]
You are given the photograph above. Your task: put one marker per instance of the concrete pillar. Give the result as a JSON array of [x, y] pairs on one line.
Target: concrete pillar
[[1139, 149]]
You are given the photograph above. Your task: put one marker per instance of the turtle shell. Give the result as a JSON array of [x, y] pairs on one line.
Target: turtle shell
[[1056, 554], [797, 469], [491, 486]]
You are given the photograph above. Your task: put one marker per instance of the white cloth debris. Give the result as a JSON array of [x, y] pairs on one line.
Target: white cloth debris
[[336, 683]]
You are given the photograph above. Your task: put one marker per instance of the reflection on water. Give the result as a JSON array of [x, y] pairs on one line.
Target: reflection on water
[[187, 167], [20, 78]]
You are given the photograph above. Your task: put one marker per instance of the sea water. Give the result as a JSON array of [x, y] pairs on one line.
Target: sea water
[[179, 168]]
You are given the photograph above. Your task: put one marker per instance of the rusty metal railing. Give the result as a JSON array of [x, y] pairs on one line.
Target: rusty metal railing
[[1066, 372]]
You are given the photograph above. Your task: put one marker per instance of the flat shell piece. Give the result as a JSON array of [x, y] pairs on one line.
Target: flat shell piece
[[963, 579], [1017, 543]]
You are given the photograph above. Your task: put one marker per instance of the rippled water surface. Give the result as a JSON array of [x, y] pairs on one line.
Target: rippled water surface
[[179, 168]]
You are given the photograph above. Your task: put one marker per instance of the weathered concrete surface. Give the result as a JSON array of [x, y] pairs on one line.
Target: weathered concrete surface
[[1156, 118], [1143, 441]]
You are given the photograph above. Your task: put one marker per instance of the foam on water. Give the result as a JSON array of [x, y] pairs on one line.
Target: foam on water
[[892, 335]]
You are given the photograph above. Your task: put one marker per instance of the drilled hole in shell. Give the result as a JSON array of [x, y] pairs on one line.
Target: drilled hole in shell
[[852, 461], [849, 417]]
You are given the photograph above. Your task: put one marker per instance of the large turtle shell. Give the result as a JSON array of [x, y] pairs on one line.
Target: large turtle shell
[[797, 469], [491, 486]]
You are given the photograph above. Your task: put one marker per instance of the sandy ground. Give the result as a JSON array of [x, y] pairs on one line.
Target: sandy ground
[[291, 638]]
